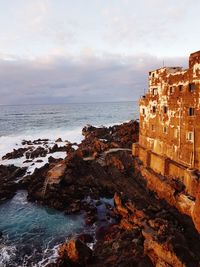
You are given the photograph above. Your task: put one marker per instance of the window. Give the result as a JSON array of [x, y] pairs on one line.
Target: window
[[190, 136], [155, 91], [191, 87], [180, 87], [143, 111], [175, 133], [154, 109], [165, 109], [165, 129], [153, 127], [153, 75], [172, 89], [191, 111]]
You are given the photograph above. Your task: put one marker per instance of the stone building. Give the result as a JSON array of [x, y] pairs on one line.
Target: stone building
[[169, 138]]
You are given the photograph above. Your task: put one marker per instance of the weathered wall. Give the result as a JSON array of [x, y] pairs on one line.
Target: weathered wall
[[157, 164], [169, 138], [176, 171], [143, 156], [166, 113]]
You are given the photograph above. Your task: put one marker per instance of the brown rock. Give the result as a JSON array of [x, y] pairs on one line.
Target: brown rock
[[75, 251], [57, 172], [196, 211]]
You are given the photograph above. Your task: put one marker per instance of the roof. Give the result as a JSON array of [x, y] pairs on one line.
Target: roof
[[194, 54]]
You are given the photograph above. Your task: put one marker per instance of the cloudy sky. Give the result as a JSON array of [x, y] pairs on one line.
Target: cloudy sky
[[57, 51]]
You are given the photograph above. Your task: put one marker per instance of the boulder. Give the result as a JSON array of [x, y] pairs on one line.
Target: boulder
[[55, 174], [74, 252], [58, 140], [16, 153]]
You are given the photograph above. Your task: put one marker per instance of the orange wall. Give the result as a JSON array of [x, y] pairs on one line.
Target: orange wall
[[173, 143]]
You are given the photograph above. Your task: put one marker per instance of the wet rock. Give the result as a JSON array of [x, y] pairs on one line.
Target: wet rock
[[39, 160], [38, 152], [57, 148], [27, 161], [8, 176], [73, 208], [35, 142], [58, 140], [90, 219], [86, 238], [53, 160], [16, 153]]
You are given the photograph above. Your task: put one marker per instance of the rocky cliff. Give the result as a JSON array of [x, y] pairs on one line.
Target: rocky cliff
[[151, 222]]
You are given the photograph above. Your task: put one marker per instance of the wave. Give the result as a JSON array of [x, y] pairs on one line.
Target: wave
[[10, 142]]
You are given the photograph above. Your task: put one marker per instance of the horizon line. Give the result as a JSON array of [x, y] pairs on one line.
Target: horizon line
[[48, 104]]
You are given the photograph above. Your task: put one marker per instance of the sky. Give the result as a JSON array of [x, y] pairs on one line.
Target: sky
[[58, 51]]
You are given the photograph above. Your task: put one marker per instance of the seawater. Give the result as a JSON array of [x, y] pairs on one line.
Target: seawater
[[31, 233]]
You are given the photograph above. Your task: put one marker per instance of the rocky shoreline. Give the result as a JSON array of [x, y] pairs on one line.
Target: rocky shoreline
[[139, 230]]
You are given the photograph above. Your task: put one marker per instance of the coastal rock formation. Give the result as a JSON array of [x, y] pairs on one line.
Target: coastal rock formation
[[16, 153], [150, 223], [98, 140], [37, 148], [74, 253], [81, 174], [8, 180], [169, 239], [157, 233]]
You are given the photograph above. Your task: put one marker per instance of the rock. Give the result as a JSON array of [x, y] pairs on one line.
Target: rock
[[73, 208], [57, 148], [98, 203], [27, 161], [38, 152], [35, 142], [74, 252], [53, 160], [196, 211], [121, 135], [39, 160], [90, 218], [68, 178], [8, 176], [86, 238], [17, 153], [55, 174], [58, 140], [147, 230]]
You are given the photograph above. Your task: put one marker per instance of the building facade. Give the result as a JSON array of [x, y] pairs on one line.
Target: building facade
[[169, 138]]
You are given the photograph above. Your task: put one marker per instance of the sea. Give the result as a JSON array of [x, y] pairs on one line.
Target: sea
[[32, 233]]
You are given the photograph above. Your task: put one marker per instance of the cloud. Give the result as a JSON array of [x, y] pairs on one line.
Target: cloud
[[88, 78], [149, 25]]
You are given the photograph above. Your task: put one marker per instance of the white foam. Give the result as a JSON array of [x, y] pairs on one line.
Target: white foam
[[8, 143], [6, 254], [49, 256]]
